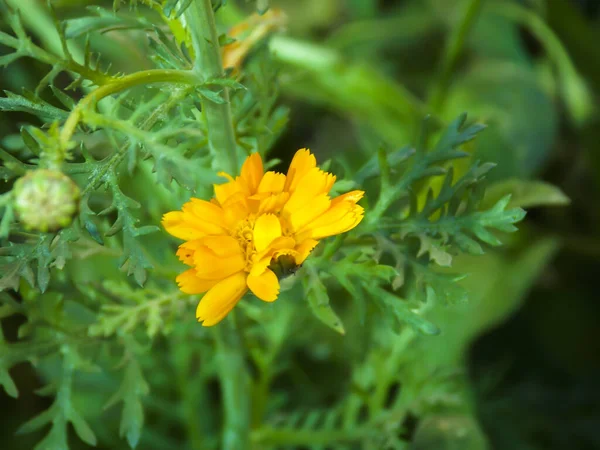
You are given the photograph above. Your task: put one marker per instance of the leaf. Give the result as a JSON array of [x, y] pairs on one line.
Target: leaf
[[104, 21], [398, 309], [82, 429], [316, 294], [525, 194], [455, 135], [213, 96], [133, 388], [435, 248], [133, 258], [226, 82], [5, 364], [371, 167], [32, 105], [62, 411]]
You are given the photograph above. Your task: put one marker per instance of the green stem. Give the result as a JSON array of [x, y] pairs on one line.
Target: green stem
[[221, 135], [235, 387], [453, 50], [575, 92], [126, 82]]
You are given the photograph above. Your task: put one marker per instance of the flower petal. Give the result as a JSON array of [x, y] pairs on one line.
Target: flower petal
[[186, 251], [315, 182], [221, 299], [272, 182], [189, 283], [302, 162], [222, 245], [310, 211], [183, 226], [267, 228], [211, 266], [304, 249], [252, 172], [338, 219], [206, 211], [265, 286], [225, 191], [352, 196]]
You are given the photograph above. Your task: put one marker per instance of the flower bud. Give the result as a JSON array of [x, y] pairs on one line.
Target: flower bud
[[45, 200]]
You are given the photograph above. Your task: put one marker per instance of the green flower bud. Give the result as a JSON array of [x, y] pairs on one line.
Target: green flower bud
[[45, 200]]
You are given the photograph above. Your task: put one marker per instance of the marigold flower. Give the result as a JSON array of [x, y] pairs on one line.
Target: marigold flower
[[253, 221]]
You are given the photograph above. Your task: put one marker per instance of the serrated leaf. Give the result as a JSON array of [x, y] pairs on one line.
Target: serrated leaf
[[226, 82], [104, 21], [435, 249], [213, 96], [82, 429], [398, 309], [38, 107], [133, 388], [317, 297]]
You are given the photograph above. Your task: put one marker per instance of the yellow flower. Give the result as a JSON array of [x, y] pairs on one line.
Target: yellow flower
[[253, 221]]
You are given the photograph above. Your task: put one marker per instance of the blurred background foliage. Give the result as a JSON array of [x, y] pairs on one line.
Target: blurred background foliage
[[358, 73]]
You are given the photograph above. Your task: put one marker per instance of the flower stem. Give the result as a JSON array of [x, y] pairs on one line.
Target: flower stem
[[454, 48], [235, 387], [208, 64]]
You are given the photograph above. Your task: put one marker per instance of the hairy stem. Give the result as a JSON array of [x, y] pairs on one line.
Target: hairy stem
[[126, 82], [208, 64], [235, 386]]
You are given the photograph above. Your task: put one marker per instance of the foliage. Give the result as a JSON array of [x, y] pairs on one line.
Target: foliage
[[370, 334]]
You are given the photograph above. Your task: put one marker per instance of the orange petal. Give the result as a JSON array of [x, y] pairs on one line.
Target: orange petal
[[310, 211], [211, 266], [304, 249], [272, 182], [273, 203], [252, 172], [221, 299], [225, 191], [340, 218], [314, 182], [186, 251], [206, 211], [265, 286], [183, 226], [352, 196], [267, 228], [302, 162], [222, 245], [189, 283], [262, 260]]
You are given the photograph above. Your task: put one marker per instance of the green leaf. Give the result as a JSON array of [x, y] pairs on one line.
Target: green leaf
[[32, 105], [104, 21], [525, 194], [82, 429], [213, 96], [226, 82], [62, 411], [399, 310], [134, 258], [133, 388], [317, 297]]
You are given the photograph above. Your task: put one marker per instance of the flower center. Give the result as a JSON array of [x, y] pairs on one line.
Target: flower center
[[244, 233]]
